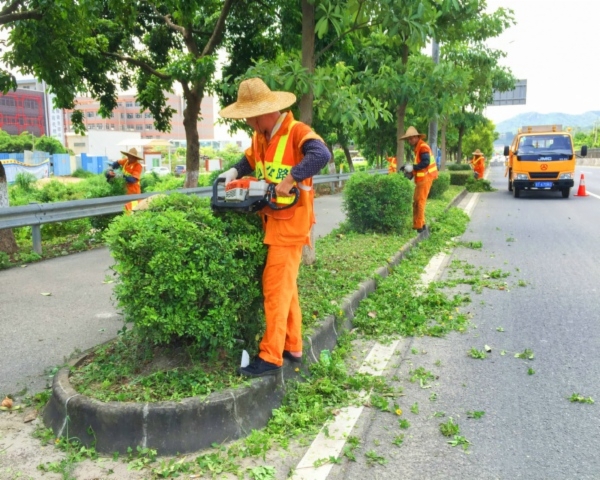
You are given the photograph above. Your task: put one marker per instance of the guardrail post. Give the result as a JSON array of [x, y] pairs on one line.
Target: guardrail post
[[36, 233]]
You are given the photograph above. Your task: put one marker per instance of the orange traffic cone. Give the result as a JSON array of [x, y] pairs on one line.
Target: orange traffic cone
[[581, 192]]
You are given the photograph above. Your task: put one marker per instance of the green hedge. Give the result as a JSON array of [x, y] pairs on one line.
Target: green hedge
[[378, 203], [440, 185], [460, 177], [458, 166], [186, 273]]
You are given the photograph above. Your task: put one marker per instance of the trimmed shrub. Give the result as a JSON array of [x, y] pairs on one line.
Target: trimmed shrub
[[458, 166], [460, 177], [81, 173], [378, 203], [186, 273], [440, 185]]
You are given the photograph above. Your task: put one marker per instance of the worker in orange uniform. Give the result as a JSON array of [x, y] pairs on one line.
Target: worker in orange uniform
[[393, 165], [478, 164], [132, 170], [288, 153], [424, 173]]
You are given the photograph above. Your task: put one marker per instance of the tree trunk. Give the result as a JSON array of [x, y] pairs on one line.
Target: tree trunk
[[348, 157], [400, 113], [443, 143], [8, 243], [461, 133], [308, 59], [190, 123]]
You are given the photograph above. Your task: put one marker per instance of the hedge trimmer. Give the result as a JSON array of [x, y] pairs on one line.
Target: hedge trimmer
[[247, 195]]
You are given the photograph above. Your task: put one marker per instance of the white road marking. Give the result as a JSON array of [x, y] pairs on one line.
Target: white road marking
[[331, 439]]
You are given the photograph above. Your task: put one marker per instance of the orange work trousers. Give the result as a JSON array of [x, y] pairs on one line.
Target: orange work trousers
[[282, 309], [479, 171], [420, 199]]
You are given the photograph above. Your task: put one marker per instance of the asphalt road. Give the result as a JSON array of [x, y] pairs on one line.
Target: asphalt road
[[530, 430], [39, 332]]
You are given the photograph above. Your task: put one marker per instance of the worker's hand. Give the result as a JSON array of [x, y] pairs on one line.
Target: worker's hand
[[115, 165], [230, 175], [130, 179], [283, 189]]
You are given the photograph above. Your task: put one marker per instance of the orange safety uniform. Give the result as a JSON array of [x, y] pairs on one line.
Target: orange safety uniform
[[131, 169], [423, 180], [286, 232], [393, 165], [478, 163]]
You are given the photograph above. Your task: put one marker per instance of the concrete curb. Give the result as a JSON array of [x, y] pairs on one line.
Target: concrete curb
[[196, 423]]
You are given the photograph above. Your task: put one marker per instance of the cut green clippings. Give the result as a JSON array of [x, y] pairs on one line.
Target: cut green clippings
[[400, 311], [510, 239], [415, 408], [421, 375], [373, 458], [577, 398], [459, 440], [479, 354], [398, 440], [439, 414], [463, 273], [530, 371], [449, 428], [499, 329], [403, 424], [476, 414], [522, 283], [526, 354], [433, 397]]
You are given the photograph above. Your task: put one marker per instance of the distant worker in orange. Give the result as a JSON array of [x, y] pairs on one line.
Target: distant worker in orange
[[478, 164], [288, 153], [424, 173], [393, 165], [132, 170]]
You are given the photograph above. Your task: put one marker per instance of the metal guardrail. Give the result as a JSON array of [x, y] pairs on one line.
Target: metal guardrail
[[36, 214]]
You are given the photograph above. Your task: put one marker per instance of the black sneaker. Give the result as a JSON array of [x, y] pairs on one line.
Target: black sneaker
[[259, 368], [422, 229], [292, 358]]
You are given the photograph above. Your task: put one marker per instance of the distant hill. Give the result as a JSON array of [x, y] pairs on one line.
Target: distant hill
[[533, 118]]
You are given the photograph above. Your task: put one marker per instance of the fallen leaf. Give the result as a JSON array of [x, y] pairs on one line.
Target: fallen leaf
[[7, 402], [108, 281], [30, 417], [372, 314], [46, 294], [487, 348]]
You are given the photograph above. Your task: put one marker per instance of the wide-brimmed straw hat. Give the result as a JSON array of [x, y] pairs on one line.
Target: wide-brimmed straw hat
[[133, 153], [412, 132], [477, 152], [255, 98]]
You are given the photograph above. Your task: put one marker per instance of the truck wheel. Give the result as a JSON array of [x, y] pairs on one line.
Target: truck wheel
[[516, 192], [510, 185], [566, 192]]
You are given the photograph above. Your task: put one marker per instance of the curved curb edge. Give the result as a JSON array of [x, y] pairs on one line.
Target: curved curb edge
[[196, 423]]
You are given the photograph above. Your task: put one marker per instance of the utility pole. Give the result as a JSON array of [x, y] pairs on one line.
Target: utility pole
[[433, 125]]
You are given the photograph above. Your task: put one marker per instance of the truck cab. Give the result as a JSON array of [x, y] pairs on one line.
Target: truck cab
[[541, 157]]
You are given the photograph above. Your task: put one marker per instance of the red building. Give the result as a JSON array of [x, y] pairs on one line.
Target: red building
[[23, 111], [128, 116]]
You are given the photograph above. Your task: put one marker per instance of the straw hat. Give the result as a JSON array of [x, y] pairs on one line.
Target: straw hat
[[411, 132], [132, 153], [255, 98], [477, 152]]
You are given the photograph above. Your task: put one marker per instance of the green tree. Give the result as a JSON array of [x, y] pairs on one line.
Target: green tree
[[101, 46], [481, 137]]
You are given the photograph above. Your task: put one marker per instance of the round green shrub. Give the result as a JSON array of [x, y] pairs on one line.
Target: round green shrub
[[460, 177], [458, 166], [186, 273], [378, 203], [440, 185]]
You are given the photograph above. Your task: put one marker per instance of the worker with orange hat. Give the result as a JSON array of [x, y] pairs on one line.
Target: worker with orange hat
[[478, 164], [288, 153], [132, 170], [424, 172]]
